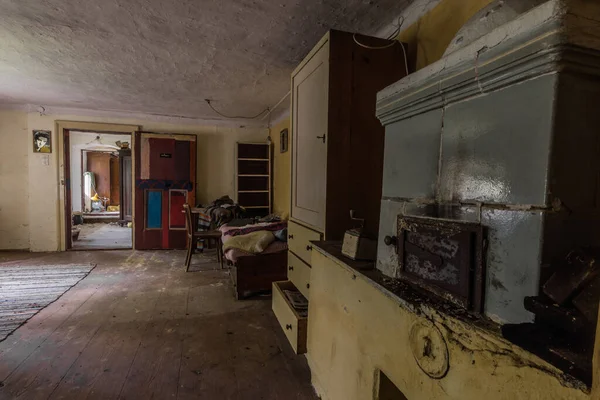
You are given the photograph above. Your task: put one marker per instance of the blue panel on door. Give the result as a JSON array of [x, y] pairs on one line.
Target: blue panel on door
[[154, 209]]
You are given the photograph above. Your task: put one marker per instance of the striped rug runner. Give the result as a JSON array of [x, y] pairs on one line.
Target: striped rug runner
[[26, 289]]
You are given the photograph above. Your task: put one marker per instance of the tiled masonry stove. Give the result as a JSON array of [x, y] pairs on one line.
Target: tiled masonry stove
[[491, 179]]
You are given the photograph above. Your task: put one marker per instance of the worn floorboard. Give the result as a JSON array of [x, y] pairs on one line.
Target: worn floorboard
[[139, 327], [103, 236]]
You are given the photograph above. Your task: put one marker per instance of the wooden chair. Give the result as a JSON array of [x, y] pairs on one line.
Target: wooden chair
[[193, 237]]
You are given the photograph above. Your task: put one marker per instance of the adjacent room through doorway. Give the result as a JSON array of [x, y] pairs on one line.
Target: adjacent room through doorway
[[100, 190]]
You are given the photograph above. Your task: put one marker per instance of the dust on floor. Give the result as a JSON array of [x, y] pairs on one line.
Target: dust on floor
[[103, 236], [140, 327]]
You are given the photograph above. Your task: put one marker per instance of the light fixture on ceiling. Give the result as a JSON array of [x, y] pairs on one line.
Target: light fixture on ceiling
[[97, 144]]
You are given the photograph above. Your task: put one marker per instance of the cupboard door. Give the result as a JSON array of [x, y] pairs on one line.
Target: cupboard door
[[309, 157]]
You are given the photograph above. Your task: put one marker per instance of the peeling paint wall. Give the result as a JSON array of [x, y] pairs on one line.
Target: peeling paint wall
[[281, 170], [357, 328], [215, 169], [431, 34], [15, 143]]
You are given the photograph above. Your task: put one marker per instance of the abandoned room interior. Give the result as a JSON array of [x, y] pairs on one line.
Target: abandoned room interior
[[316, 199]]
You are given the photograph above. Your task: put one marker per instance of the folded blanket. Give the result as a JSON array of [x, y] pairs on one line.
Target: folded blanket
[[254, 242], [234, 255], [238, 231]]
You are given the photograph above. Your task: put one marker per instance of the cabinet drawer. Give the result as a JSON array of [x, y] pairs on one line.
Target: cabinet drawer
[[299, 274], [293, 325], [299, 239]]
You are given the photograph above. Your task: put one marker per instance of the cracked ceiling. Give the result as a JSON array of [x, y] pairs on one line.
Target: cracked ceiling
[[165, 57]]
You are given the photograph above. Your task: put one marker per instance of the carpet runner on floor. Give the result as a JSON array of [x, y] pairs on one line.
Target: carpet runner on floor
[[27, 289]]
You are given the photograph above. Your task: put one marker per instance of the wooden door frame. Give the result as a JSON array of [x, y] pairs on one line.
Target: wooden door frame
[[64, 166]]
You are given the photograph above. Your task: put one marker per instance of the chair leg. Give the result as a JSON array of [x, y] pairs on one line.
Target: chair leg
[[188, 257], [217, 250], [220, 251]]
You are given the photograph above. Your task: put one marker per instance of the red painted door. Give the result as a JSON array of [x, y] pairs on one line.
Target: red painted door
[[165, 179]]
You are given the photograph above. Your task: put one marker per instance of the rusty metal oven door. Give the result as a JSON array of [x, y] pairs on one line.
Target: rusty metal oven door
[[443, 257]]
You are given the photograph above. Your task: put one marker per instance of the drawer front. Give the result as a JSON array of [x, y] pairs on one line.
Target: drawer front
[[299, 274], [299, 239], [293, 325]]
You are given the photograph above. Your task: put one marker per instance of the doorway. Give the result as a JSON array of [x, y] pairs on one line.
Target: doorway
[[99, 189]]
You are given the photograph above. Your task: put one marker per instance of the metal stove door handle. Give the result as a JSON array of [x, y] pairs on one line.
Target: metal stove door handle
[[390, 240]]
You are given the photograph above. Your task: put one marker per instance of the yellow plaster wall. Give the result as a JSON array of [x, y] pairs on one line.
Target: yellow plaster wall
[[281, 171], [14, 181], [355, 330], [429, 37], [215, 168]]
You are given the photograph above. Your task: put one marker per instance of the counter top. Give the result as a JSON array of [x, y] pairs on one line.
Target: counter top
[[406, 295], [334, 249]]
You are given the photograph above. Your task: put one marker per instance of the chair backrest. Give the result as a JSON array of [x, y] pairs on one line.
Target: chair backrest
[[188, 219]]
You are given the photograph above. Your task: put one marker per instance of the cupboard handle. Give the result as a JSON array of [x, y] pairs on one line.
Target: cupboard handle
[[322, 137], [288, 327], [309, 248], [290, 268], [308, 285], [290, 236]]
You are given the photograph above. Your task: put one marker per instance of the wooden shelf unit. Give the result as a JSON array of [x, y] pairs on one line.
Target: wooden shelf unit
[[254, 177]]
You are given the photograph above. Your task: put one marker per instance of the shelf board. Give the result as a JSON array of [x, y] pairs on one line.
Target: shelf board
[[253, 159], [246, 175], [253, 191], [255, 206]]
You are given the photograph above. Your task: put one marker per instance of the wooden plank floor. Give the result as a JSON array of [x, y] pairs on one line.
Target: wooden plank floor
[[139, 327]]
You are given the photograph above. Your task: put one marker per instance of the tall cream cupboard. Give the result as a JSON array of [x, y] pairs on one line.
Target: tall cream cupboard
[[337, 154]]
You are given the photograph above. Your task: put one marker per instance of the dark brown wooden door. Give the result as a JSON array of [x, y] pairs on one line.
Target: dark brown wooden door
[[165, 179], [99, 163]]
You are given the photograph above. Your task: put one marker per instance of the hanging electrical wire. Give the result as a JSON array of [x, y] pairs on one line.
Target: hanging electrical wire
[[387, 46], [238, 116], [398, 27], [390, 37], [269, 139]]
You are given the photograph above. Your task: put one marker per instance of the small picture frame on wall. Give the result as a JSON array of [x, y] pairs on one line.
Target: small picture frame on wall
[[283, 141], [42, 141]]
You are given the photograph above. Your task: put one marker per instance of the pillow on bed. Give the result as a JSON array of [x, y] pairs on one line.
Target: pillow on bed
[[255, 242]]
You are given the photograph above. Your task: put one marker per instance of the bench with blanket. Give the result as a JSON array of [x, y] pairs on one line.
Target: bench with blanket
[[257, 254]]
